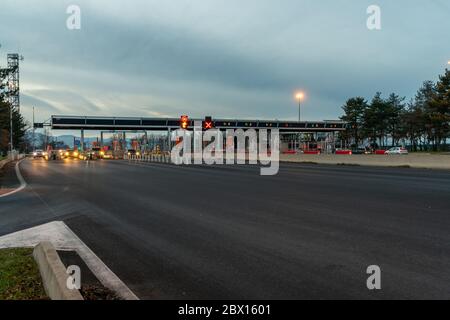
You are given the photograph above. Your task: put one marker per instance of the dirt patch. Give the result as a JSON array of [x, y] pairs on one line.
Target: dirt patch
[[91, 287]]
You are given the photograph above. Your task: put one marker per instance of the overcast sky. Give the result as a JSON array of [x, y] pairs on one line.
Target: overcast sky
[[225, 58]]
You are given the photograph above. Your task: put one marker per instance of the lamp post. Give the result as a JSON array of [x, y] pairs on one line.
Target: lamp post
[[299, 96]]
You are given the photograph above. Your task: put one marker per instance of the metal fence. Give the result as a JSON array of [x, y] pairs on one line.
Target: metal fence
[[150, 158]]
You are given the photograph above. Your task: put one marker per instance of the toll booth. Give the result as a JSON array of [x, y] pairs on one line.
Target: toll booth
[[311, 142]]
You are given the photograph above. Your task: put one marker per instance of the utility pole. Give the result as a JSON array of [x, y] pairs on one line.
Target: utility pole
[[11, 129], [34, 130]]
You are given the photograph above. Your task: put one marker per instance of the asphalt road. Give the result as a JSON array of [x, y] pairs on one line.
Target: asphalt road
[[228, 233]]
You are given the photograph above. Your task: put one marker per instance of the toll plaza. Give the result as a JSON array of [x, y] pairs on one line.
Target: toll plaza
[[307, 136]]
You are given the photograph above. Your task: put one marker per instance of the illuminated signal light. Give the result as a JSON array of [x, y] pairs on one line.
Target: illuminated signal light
[[208, 123], [184, 123]]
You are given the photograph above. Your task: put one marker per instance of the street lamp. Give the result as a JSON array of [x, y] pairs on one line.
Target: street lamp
[[299, 96]]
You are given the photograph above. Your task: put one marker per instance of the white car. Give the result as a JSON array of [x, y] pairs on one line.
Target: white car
[[397, 150], [38, 154]]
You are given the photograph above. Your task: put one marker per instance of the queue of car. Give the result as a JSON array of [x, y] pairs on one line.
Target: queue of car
[[92, 154]]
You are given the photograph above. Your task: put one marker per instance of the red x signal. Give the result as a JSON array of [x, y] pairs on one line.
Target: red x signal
[[208, 123]]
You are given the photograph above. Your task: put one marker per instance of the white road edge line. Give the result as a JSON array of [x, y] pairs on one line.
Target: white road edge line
[[106, 276], [22, 181]]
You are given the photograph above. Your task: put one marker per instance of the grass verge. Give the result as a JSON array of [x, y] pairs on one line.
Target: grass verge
[[19, 276]]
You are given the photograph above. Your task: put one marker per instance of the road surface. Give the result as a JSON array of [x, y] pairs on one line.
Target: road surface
[[228, 233]]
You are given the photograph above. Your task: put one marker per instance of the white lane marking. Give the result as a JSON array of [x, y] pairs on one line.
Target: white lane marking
[[22, 181], [63, 238]]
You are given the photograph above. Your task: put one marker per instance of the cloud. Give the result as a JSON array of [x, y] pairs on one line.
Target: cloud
[[44, 106], [220, 58]]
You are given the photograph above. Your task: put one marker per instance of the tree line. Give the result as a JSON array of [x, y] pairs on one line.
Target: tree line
[[19, 128], [422, 124]]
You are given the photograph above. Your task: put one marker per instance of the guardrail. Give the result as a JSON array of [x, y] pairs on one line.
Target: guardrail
[[153, 158]]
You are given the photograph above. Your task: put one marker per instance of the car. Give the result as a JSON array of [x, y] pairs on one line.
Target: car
[[132, 152], [65, 154], [106, 155], [361, 151], [85, 156], [70, 153], [97, 153], [38, 154], [397, 150], [343, 152]]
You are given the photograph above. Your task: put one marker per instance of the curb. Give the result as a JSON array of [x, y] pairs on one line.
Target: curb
[[53, 273], [3, 162], [22, 181], [63, 238]]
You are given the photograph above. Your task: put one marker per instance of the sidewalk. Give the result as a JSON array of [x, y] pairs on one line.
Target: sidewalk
[[427, 161], [8, 177], [2, 163]]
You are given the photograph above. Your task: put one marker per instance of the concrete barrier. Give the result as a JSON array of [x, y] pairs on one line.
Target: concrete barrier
[[53, 273], [423, 161]]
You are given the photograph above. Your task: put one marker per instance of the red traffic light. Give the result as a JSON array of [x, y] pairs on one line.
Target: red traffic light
[[184, 123], [208, 123]]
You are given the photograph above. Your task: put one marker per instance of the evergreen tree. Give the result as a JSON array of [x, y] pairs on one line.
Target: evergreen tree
[[395, 107], [19, 128], [375, 120], [439, 111], [354, 110]]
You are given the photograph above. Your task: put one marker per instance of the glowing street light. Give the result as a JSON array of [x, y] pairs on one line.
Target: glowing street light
[[299, 96]]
